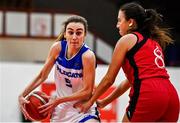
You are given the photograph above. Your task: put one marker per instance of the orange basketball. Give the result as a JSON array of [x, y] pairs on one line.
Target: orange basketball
[[36, 99]]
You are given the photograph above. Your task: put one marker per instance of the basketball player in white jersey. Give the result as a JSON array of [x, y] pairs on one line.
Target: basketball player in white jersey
[[75, 67]]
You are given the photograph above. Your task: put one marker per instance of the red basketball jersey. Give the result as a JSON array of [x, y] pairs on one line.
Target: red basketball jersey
[[144, 60]]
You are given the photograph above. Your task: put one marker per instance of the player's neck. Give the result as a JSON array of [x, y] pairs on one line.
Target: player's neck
[[71, 52]]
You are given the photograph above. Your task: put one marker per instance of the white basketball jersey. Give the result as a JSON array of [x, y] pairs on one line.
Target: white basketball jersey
[[68, 80], [68, 72]]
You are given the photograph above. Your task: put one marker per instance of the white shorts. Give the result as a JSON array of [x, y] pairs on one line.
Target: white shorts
[[65, 112]]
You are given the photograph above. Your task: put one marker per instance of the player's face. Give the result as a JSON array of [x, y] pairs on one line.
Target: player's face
[[122, 24], [75, 34]]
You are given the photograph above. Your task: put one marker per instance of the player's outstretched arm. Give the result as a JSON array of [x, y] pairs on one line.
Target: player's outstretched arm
[[41, 77], [121, 89]]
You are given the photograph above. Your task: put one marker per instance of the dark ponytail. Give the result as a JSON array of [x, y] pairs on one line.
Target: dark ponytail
[[152, 23], [148, 21], [152, 18]]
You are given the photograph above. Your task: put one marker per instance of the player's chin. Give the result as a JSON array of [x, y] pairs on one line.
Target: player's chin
[[75, 45], [121, 33]]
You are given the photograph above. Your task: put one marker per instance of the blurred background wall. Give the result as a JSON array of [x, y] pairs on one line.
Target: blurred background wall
[[42, 18], [29, 27]]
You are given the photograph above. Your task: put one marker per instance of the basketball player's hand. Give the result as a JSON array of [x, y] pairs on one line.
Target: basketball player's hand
[[22, 102], [84, 106], [77, 105], [48, 107]]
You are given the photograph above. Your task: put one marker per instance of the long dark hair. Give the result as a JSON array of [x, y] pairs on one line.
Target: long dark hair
[[73, 18], [148, 20]]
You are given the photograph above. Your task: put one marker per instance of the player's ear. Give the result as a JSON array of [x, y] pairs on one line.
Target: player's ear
[[131, 22]]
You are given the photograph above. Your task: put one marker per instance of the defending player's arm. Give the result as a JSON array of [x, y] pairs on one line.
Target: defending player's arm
[[41, 77], [123, 87], [122, 46]]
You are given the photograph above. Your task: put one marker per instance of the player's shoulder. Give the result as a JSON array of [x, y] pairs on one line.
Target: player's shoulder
[[127, 41], [56, 46], [89, 54], [128, 38]]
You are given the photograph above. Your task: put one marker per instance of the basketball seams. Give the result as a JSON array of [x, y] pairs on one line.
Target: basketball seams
[[36, 99], [39, 97]]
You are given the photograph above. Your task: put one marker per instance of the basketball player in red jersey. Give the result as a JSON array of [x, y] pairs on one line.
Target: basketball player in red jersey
[[139, 53]]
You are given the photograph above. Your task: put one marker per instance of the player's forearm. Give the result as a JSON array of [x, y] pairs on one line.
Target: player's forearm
[[34, 84], [81, 95], [121, 89], [102, 87]]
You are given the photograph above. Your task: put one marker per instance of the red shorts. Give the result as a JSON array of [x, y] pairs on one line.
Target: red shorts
[[157, 101]]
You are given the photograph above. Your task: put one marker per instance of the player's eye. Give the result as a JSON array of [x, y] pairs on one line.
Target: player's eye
[[78, 33], [70, 32]]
